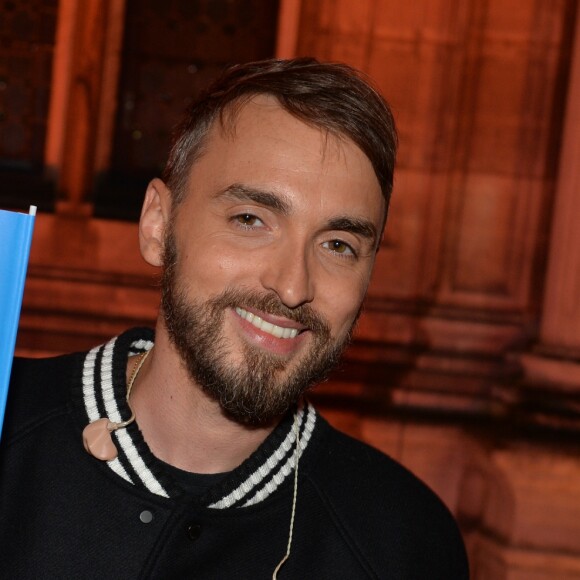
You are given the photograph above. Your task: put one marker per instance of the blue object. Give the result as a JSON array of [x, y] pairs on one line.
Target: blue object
[[15, 240]]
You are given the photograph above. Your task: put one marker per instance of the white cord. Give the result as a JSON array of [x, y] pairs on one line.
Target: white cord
[[296, 458]]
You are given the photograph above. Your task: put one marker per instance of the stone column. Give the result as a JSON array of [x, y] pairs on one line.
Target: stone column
[[83, 100], [555, 362]]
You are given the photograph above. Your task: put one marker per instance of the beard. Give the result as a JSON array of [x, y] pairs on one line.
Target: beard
[[263, 386]]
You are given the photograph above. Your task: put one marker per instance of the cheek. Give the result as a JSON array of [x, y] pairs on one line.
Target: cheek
[[342, 305], [215, 265]]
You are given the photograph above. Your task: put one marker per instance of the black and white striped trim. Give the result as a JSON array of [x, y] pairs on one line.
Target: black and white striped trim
[[103, 389], [98, 384], [266, 479]]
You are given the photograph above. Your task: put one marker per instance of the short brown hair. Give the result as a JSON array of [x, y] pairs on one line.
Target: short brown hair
[[333, 97]]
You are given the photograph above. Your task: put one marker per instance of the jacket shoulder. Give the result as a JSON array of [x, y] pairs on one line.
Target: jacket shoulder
[[38, 388], [394, 520]]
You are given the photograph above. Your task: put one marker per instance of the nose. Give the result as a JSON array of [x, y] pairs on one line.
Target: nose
[[289, 274]]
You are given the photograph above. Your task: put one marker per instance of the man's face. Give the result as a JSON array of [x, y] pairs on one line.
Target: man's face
[[268, 259]]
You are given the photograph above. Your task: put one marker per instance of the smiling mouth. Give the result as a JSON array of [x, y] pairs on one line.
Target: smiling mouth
[[268, 327]]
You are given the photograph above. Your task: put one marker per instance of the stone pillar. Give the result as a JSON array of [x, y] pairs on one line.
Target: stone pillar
[[555, 362], [83, 99]]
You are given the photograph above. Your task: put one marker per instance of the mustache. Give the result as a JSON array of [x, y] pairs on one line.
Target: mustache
[[270, 303]]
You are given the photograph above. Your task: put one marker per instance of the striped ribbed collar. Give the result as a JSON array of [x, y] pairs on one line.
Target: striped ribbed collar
[[103, 395]]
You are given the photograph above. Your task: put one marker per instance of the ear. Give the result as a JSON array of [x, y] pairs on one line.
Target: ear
[[154, 219]]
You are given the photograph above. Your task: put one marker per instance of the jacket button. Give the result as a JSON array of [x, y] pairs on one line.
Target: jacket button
[[146, 516], [193, 531]]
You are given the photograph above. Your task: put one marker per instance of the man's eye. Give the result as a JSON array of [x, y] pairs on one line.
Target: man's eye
[[248, 220], [339, 247]]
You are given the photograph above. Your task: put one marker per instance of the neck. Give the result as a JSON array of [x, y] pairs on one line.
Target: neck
[[180, 423]]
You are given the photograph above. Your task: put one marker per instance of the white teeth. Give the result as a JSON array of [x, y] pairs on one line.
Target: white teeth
[[273, 329]]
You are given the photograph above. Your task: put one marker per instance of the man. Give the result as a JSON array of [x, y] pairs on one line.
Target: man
[[204, 460]]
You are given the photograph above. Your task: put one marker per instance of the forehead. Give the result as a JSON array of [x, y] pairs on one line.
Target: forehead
[[261, 144]]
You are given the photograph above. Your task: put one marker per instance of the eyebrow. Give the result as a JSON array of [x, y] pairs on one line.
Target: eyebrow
[[364, 228], [241, 192]]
